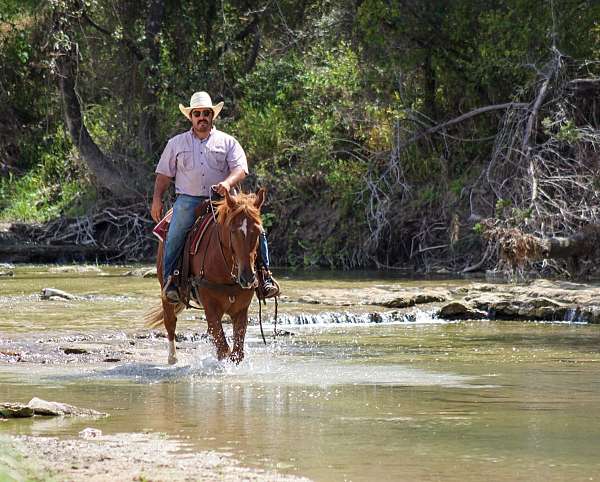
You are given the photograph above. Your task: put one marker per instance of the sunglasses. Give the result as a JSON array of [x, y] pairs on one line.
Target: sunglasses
[[204, 113]]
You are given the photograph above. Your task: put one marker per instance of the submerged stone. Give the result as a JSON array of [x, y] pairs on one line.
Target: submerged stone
[[74, 351], [90, 432]]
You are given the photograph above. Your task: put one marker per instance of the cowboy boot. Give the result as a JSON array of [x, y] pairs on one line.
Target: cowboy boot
[[170, 291], [269, 287]]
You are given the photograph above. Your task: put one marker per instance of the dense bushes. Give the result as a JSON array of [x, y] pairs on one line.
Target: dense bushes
[[329, 98]]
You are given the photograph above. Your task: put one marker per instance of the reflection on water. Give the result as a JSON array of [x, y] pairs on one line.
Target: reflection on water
[[412, 400]]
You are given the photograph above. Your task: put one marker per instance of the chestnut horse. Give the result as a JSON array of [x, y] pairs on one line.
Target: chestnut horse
[[223, 275]]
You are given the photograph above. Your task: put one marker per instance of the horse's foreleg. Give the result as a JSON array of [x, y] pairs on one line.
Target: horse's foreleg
[[240, 322], [170, 321], [169, 317], [214, 314]]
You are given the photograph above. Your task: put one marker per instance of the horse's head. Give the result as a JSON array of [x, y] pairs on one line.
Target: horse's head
[[240, 217]]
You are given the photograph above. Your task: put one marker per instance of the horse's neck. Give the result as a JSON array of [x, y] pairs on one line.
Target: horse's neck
[[212, 261]]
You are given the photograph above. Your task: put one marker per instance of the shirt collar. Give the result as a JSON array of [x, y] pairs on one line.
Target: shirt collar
[[193, 136]]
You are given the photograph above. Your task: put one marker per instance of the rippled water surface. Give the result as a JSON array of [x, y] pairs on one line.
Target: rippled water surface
[[342, 397]]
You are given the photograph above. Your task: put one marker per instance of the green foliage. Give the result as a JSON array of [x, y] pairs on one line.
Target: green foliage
[[334, 89], [501, 205], [303, 109], [30, 198], [515, 216], [479, 228], [53, 188], [564, 130]]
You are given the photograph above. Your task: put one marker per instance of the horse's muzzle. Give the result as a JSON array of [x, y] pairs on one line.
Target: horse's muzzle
[[248, 280]]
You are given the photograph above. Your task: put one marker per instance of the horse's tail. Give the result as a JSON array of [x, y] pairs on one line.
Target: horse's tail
[[154, 317]]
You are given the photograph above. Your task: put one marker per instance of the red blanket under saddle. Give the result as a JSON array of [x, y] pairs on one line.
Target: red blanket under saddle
[[160, 230]]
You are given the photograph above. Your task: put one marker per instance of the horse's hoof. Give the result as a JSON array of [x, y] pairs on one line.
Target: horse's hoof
[[172, 360], [236, 358]]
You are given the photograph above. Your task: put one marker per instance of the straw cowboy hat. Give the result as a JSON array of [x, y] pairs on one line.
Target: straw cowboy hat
[[201, 100]]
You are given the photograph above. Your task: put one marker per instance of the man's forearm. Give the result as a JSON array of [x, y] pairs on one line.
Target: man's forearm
[[236, 176], [160, 186]]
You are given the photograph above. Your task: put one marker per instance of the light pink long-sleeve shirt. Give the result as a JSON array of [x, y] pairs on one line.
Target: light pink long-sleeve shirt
[[198, 164]]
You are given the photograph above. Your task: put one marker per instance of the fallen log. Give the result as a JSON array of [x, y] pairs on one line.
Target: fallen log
[[35, 253], [517, 248]]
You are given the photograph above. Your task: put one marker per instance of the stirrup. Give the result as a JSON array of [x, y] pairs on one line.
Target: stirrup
[[269, 287], [170, 291]]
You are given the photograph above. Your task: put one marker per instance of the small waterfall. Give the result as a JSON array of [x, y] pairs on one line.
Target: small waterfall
[[585, 314], [572, 315], [334, 317]]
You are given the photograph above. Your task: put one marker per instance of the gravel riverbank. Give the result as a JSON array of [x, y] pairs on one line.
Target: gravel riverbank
[[121, 457]]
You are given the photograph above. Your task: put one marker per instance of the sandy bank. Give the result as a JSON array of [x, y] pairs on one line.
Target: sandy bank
[[122, 457]]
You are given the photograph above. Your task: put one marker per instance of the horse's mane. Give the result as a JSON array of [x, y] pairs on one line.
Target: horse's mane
[[243, 202]]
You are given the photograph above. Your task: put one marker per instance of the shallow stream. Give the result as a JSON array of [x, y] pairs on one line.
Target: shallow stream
[[344, 396]]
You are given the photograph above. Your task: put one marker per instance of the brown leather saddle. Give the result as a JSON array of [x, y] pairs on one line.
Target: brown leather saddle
[[204, 218]]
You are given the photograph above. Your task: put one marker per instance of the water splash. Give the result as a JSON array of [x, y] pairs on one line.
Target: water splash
[[344, 317]]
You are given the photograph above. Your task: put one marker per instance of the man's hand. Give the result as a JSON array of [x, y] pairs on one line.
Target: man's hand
[[222, 188], [156, 210], [160, 187]]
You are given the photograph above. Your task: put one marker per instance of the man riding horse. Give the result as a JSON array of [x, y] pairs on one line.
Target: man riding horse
[[200, 159]]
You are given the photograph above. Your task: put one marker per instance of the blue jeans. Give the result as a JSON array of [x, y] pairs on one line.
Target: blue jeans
[[263, 249], [182, 220]]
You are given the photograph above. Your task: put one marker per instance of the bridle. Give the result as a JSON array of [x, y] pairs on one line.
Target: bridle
[[231, 289], [234, 265]]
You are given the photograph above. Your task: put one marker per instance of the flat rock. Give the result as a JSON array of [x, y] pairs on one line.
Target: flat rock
[[53, 293], [43, 407], [457, 310], [409, 298]]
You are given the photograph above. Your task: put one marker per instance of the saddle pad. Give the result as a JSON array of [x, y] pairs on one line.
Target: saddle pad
[[161, 229]]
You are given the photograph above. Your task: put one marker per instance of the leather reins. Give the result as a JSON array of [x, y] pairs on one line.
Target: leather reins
[[231, 289]]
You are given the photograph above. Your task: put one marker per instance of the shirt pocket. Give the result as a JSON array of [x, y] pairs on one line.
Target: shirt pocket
[[185, 160], [216, 158]]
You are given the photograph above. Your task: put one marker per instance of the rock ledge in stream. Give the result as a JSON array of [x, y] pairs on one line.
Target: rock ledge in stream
[[457, 310], [37, 406], [540, 300], [405, 300]]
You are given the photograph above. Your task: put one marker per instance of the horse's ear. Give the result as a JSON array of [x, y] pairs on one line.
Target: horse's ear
[[229, 200], [260, 197]]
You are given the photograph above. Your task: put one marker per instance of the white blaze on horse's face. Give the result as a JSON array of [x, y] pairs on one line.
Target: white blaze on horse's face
[[244, 243], [244, 227]]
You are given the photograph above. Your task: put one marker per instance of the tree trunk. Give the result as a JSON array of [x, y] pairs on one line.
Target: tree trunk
[[106, 174], [149, 121]]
